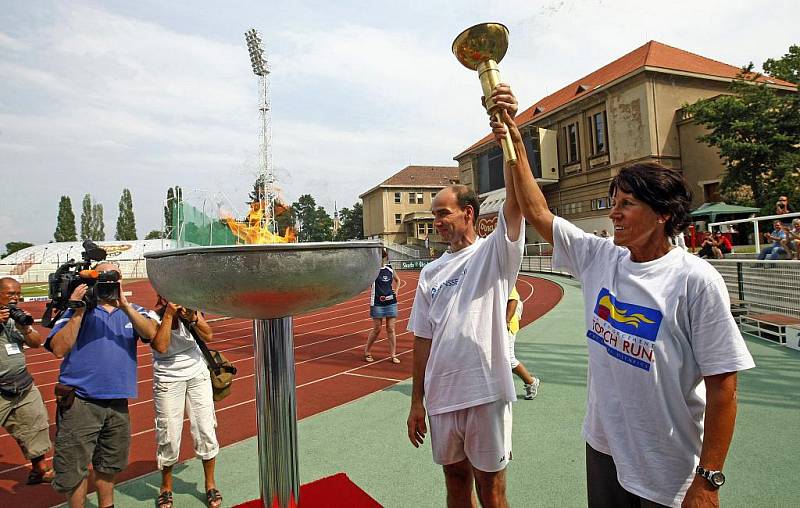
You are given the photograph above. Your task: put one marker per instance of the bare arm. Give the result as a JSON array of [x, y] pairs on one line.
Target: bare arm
[[529, 196], [719, 422], [416, 416], [31, 336], [62, 342], [395, 281]]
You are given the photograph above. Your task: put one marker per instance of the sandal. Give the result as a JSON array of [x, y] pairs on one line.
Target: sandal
[[36, 477], [395, 359], [164, 499], [368, 358], [213, 498]]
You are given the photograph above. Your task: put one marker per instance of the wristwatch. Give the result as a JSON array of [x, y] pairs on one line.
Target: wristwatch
[[715, 478]]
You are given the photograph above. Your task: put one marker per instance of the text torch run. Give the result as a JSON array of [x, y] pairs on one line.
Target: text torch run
[[254, 229]]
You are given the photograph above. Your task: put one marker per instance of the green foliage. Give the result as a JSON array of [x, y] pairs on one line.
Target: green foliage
[[315, 223], [258, 193], [174, 199], [352, 223], [787, 67], [126, 222], [86, 218], [65, 223], [154, 234], [98, 224], [12, 247], [756, 130], [285, 217]]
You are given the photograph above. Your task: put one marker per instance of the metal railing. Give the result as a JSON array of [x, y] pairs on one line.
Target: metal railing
[[762, 286]]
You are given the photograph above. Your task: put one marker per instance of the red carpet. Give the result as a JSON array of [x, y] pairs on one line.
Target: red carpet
[[335, 491]]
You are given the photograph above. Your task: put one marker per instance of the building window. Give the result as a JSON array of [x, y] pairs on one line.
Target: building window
[[398, 218], [433, 195], [419, 198], [397, 197], [601, 203], [430, 229], [572, 143], [421, 229], [599, 133], [490, 170], [711, 192], [412, 198]]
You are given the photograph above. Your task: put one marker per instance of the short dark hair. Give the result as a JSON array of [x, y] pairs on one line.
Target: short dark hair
[[466, 196], [663, 189]]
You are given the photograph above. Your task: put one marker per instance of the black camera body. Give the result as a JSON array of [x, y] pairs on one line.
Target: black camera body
[[18, 316], [70, 275]]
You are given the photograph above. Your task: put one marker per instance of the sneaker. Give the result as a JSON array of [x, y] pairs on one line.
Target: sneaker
[[532, 390]]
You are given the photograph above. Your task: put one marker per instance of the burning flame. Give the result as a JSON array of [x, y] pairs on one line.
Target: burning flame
[[253, 230]]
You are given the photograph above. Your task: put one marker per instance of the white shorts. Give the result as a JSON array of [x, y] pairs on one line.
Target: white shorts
[[195, 397], [481, 434], [512, 337]]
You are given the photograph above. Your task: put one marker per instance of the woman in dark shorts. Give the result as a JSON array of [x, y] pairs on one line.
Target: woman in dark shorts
[[383, 305]]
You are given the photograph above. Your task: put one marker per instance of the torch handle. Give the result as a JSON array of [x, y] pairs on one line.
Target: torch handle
[[509, 154], [489, 75]]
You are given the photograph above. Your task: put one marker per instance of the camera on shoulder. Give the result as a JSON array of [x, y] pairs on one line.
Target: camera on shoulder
[[100, 285]]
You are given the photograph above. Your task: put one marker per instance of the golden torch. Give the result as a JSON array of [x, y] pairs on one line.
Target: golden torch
[[480, 48]]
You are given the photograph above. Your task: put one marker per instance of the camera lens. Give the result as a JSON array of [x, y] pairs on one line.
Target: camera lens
[[18, 316]]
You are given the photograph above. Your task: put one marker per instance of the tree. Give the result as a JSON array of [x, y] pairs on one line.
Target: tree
[[98, 224], [787, 67], [12, 247], [285, 217], [126, 223], [352, 223], [259, 190], [86, 218], [315, 223], [65, 223], [174, 200], [154, 235], [756, 130]]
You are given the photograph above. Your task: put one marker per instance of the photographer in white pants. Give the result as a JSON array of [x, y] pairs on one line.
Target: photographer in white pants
[[181, 380]]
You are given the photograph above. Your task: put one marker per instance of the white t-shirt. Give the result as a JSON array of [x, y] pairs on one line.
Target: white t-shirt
[[654, 330], [460, 305], [183, 359]]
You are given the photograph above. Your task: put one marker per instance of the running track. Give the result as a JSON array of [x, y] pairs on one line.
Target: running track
[[330, 371]]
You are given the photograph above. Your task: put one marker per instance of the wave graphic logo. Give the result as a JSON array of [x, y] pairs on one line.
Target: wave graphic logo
[[626, 317]]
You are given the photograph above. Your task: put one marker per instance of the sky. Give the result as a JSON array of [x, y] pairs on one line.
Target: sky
[[98, 96]]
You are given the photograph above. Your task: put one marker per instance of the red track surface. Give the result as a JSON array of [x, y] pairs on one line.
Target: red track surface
[[328, 353]]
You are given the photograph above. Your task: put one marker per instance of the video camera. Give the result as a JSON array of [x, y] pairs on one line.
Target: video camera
[[101, 285]]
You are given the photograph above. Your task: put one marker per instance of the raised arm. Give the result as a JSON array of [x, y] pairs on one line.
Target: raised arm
[[64, 339], [529, 197]]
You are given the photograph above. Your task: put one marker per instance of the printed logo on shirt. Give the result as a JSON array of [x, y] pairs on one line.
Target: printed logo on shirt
[[448, 283], [626, 330]]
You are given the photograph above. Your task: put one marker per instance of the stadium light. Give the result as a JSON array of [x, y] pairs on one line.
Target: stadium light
[[256, 52]]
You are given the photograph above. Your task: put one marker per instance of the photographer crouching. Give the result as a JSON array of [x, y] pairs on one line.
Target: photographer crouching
[[97, 337], [22, 411]]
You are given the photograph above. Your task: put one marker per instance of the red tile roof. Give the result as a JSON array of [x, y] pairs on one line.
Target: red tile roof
[[653, 54], [421, 176]]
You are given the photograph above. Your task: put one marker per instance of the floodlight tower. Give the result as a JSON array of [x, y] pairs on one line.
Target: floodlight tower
[[266, 175]]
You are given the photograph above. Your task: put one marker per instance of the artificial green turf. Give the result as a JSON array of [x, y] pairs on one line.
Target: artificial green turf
[[367, 438]]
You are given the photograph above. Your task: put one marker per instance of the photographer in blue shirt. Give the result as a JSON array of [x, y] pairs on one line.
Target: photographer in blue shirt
[[96, 379]]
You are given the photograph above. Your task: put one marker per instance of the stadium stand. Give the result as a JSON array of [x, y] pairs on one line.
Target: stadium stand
[[34, 264]]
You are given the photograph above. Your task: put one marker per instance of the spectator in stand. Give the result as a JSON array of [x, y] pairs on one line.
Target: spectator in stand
[[791, 244], [604, 233], [782, 206], [22, 411], [707, 247], [775, 250], [722, 245]]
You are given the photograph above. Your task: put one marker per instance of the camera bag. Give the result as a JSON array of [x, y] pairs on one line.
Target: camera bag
[[221, 369]]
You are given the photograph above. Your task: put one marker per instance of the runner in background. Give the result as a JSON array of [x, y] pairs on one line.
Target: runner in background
[[383, 305], [513, 315]]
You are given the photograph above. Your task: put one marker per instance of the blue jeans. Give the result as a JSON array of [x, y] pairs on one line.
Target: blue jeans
[[772, 252]]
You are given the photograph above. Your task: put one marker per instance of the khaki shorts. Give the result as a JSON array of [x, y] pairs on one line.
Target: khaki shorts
[[481, 434], [91, 430], [25, 418]]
